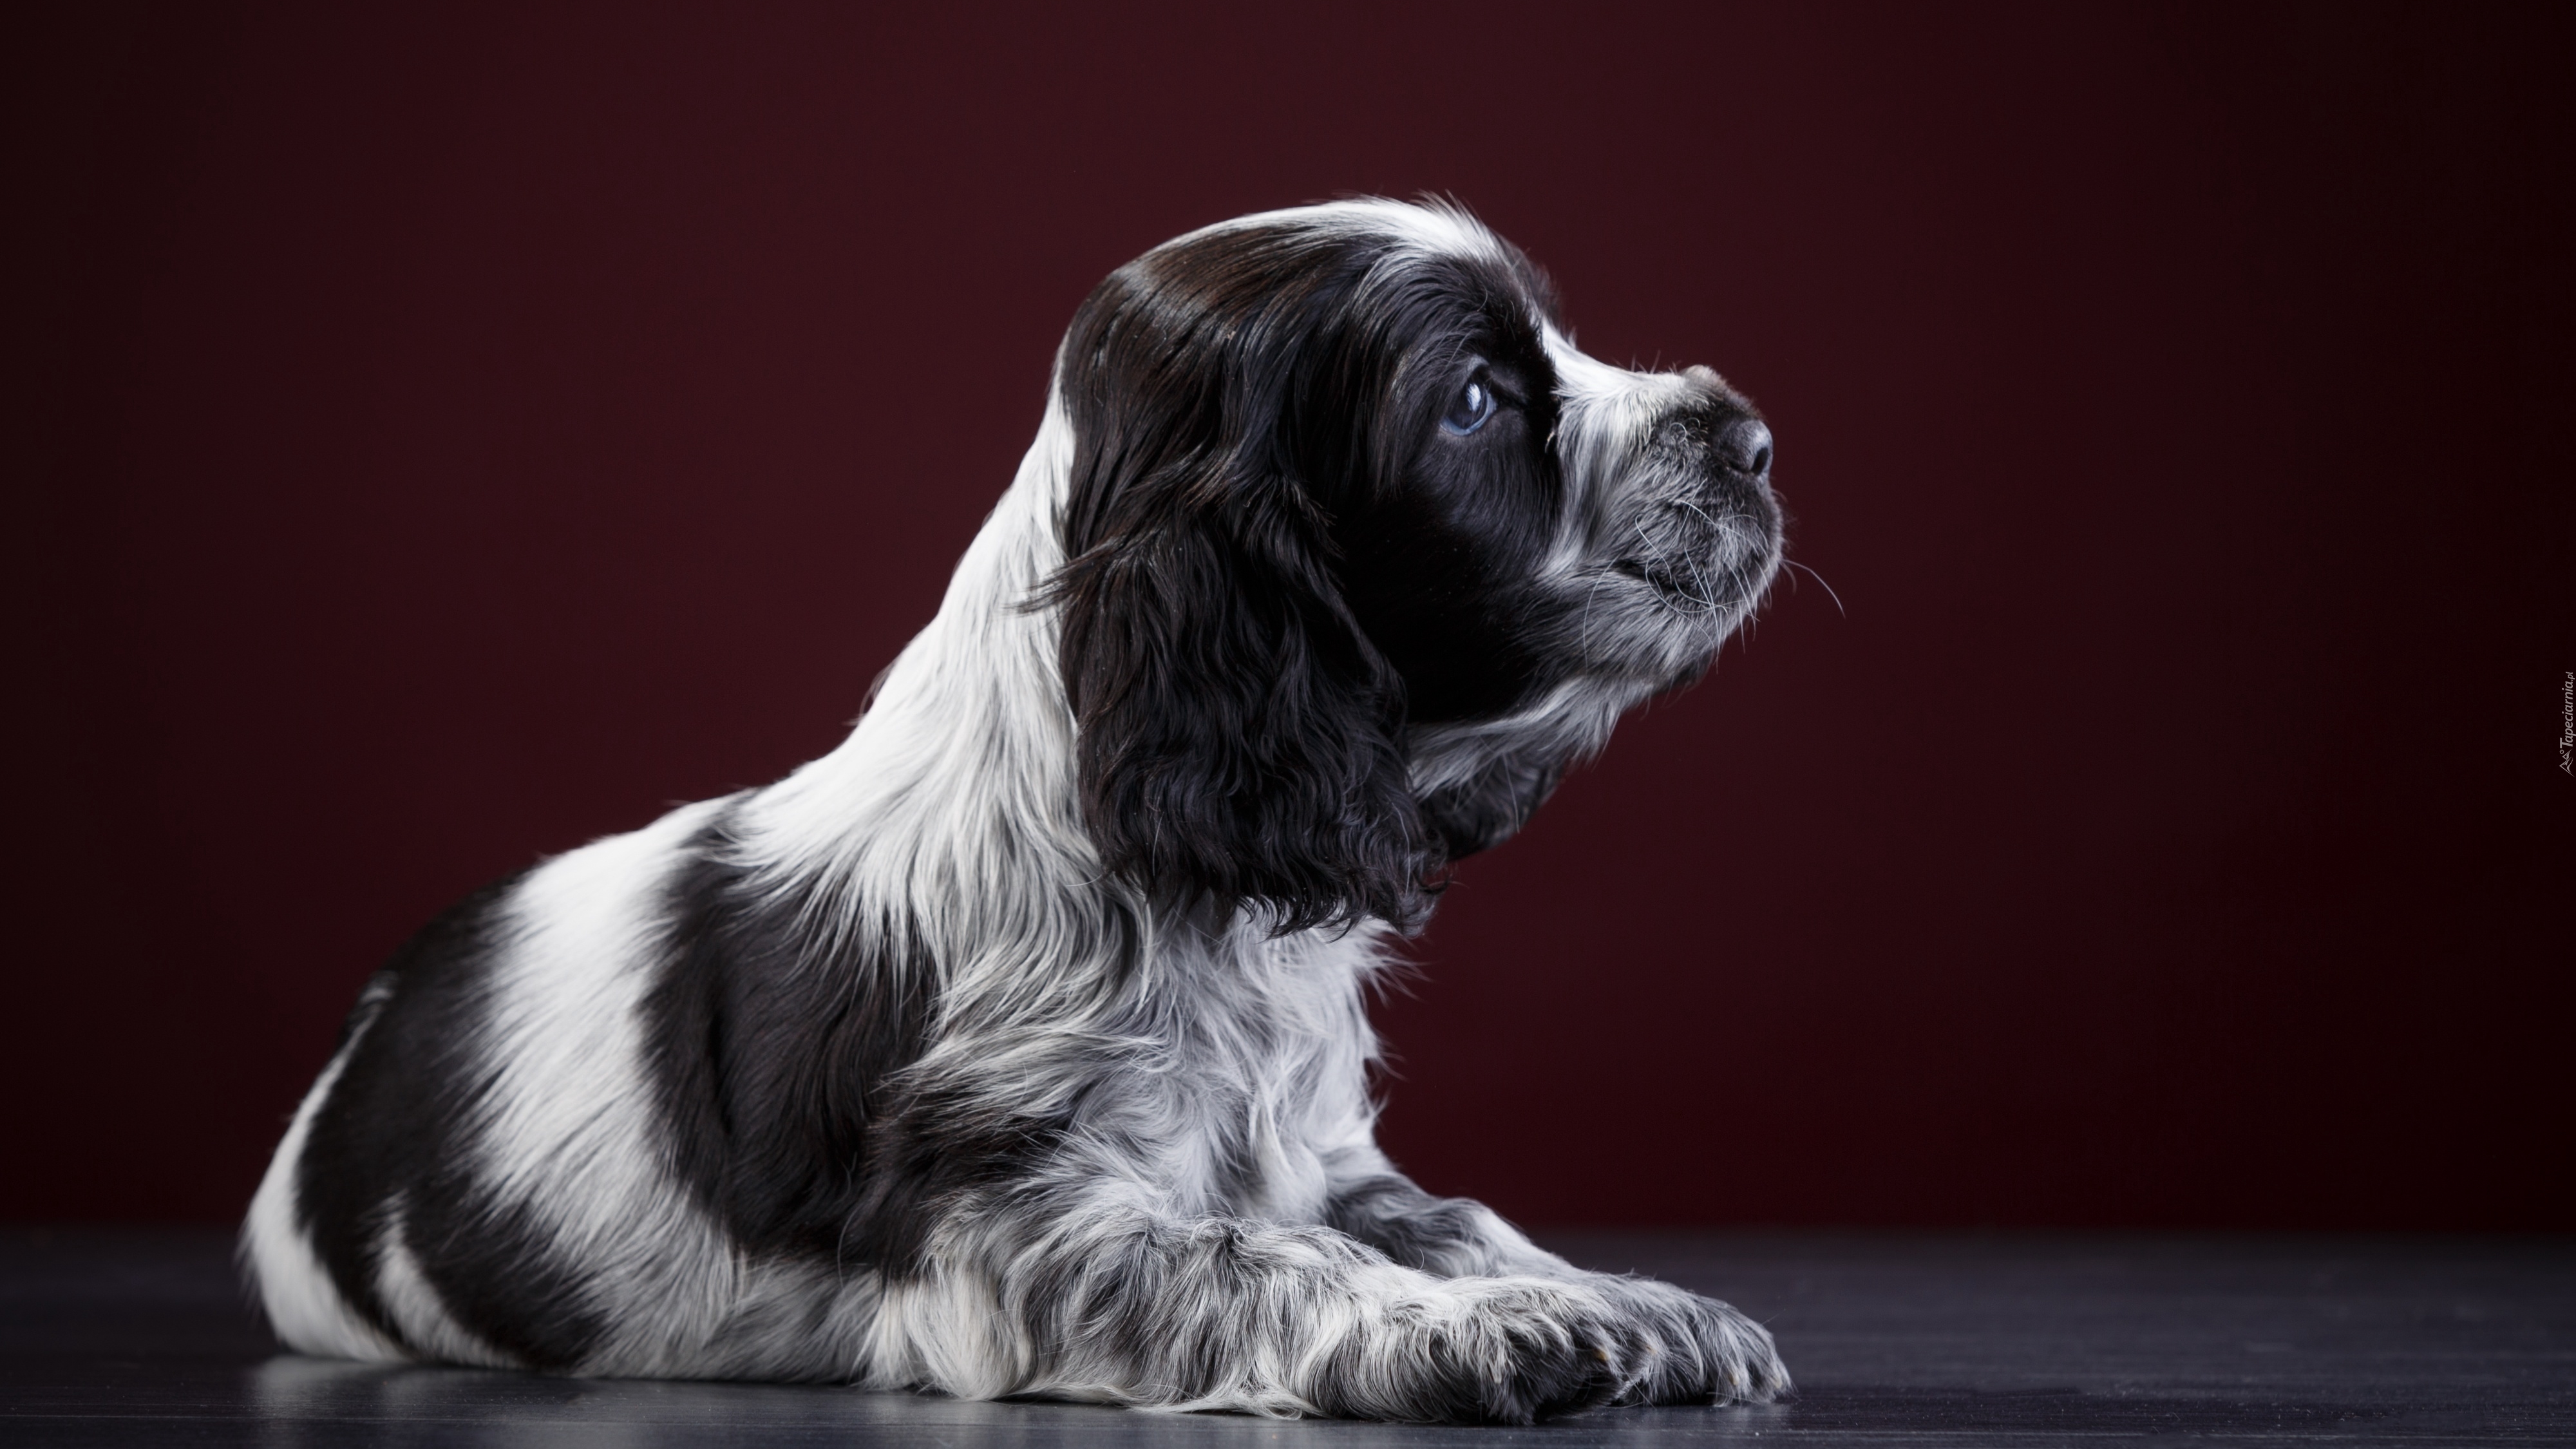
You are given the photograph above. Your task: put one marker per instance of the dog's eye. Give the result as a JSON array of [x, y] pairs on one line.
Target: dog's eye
[[1470, 408]]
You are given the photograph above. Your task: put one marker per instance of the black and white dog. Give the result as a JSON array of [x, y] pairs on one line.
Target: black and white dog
[[1018, 1046]]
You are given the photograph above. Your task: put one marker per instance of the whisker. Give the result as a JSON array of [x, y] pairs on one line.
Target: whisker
[[1820, 579], [1704, 599]]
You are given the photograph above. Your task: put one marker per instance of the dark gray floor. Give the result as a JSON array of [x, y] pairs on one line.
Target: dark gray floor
[[139, 1338]]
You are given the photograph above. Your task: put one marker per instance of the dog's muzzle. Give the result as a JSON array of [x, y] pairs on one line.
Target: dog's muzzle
[[1703, 528]]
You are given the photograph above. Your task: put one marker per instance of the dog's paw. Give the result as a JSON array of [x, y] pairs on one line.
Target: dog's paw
[[1707, 1351], [1491, 1351]]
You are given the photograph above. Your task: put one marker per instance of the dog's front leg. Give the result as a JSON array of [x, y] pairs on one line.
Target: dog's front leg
[[1704, 1350], [1125, 1306], [1455, 1237]]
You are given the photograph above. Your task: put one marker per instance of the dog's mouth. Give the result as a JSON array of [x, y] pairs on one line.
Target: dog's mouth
[[1687, 586]]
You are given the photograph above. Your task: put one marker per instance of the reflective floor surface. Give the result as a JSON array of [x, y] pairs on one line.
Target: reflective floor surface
[[140, 1337]]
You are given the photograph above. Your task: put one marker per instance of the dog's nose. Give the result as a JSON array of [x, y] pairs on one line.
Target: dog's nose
[[1745, 446]]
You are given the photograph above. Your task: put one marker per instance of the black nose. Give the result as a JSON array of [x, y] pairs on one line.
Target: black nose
[[1745, 446]]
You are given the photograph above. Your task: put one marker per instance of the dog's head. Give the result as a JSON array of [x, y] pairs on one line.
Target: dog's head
[[1362, 552]]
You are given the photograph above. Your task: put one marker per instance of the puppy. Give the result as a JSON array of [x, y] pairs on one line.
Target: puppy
[[1018, 1046]]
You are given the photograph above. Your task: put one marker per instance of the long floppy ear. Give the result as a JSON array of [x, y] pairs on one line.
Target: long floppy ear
[[1239, 738]]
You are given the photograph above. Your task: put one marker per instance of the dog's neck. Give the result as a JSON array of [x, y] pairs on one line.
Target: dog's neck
[[956, 789], [951, 815]]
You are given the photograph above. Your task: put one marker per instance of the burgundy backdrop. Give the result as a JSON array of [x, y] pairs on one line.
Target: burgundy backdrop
[[446, 438]]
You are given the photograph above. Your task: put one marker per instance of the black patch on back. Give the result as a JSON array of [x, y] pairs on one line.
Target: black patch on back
[[395, 1124], [771, 1054], [780, 1062]]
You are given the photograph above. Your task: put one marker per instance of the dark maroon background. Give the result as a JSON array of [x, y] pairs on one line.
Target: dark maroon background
[[446, 439]]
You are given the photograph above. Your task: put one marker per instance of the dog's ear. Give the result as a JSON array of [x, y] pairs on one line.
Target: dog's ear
[[1239, 739]]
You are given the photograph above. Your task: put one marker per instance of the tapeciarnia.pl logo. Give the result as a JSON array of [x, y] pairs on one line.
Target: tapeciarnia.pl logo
[[2567, 724]]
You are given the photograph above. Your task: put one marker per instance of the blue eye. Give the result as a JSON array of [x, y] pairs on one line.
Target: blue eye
[[1470, 408]]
